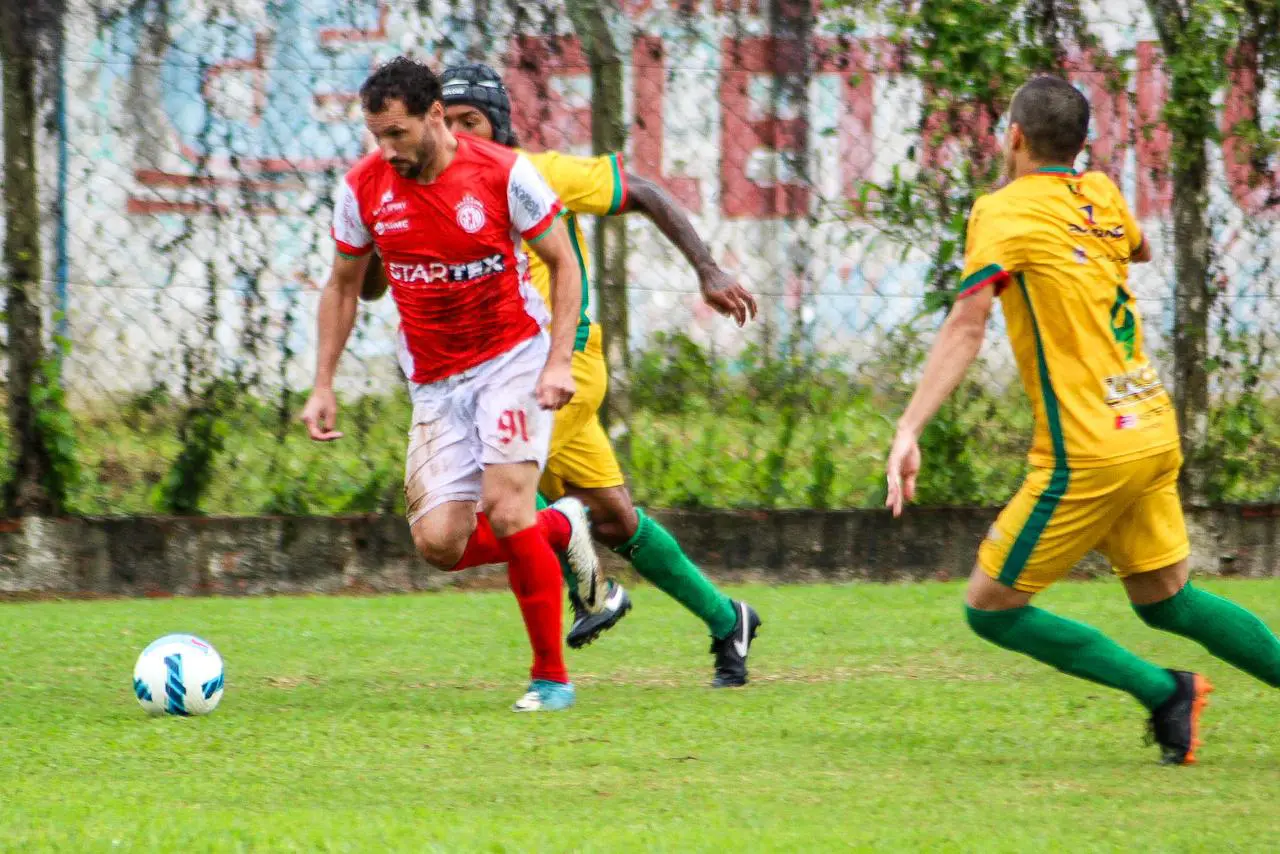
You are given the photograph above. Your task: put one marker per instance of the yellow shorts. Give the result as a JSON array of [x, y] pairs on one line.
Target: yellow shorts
[[1129, 512], [581, 454]]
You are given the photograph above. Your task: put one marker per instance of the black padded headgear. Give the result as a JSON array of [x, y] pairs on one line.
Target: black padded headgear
[[480, 86]]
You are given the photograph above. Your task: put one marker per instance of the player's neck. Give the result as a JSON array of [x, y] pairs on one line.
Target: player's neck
[[1044, 167], [444, 156]]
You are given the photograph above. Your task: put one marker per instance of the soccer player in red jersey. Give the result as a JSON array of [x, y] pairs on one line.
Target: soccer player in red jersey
[[447, 215]]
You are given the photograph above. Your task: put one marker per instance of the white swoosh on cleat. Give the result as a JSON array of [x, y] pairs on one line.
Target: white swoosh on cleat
[[615, 598], [741, 646]]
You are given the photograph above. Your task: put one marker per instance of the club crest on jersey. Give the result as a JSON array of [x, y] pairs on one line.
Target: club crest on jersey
[[471, 216]]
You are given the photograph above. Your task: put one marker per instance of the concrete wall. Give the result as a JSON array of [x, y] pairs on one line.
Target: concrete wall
[[141, 556]]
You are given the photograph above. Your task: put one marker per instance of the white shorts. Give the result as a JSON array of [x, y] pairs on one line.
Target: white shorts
[[484, 416]]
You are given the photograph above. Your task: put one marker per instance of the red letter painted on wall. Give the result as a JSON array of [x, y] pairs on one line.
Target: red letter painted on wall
[[1109, 119], [857, 107], [746, 129], [649, 126], [1254, 187], [539, 115], [1155, 191]]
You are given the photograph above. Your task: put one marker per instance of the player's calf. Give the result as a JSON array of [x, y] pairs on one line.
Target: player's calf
[[532, 567], [614, 519]]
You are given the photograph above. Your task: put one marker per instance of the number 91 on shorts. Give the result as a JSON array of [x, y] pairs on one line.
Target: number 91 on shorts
[[485, 416]]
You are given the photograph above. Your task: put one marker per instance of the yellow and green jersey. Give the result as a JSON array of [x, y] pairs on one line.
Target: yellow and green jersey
[[1056, 245], [585, 185]]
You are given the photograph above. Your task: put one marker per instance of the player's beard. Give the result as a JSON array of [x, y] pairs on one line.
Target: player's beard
[[412, 168]]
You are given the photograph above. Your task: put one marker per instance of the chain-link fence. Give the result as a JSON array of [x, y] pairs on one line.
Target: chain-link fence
[[188, 151]]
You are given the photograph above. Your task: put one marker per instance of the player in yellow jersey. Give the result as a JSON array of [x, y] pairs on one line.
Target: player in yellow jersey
[[581, 463], [1055, 247]]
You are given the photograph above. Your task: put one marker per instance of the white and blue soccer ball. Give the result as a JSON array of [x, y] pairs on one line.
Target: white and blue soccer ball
[[178, 675]]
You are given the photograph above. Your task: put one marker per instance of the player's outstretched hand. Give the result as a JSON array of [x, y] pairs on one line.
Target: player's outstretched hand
[[555, 386], [723, 293], [901, 471], [321, 415]]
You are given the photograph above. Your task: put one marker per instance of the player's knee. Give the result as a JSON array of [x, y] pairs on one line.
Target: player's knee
[[510, 515], [994, 626], [439, 550], [985, 593]]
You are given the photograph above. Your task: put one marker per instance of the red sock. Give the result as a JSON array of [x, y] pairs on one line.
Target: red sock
[[482, 548], [535, 579], [555, 527]]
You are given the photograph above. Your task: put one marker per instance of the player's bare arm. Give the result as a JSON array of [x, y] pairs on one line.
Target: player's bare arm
[[1142, 254], [375, 282], [555, 386], [338, 304], [721, 290], [953, 351]]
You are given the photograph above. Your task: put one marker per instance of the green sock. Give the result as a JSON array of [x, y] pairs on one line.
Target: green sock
[[658, 557], [1076, 649], [1220, 626]]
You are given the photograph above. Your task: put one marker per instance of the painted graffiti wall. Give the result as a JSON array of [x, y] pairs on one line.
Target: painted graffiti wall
[[205, 138]]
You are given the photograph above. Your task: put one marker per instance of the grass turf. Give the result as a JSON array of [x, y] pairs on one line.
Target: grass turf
[[874, 721]]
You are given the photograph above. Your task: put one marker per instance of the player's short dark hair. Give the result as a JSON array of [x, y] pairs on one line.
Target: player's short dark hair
[[402, 79], [1054, 117]]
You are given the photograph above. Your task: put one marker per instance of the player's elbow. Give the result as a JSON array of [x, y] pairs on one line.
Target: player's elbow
[[968, 319], [962, 335], [642, 195], [343, 288]]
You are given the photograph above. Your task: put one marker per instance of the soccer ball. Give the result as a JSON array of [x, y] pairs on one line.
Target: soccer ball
[[178, 675]]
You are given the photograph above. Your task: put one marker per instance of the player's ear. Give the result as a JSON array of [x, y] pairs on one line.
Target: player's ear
[[1016, 137]]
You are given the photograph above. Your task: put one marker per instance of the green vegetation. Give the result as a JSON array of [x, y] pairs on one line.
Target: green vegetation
[[705, 433]]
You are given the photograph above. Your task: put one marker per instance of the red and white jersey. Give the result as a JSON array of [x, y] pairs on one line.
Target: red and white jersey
[[451, 250]]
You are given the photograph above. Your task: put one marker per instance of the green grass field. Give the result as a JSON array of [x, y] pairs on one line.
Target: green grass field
[[875, 721]]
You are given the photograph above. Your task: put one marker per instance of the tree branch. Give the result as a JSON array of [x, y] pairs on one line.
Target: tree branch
[[1170, 20]]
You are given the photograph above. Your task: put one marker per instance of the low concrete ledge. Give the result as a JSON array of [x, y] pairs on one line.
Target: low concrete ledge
[[148, 556]]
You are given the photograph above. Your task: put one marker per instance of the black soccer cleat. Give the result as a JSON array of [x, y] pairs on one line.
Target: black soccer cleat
[[588, 626], [731, 651], [1175, 726]]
